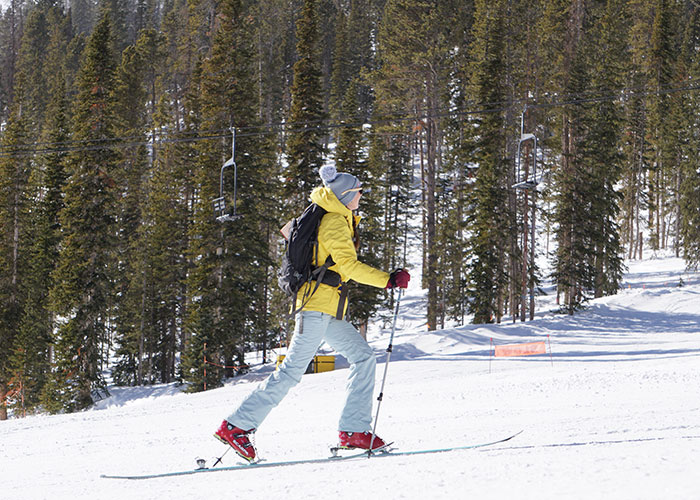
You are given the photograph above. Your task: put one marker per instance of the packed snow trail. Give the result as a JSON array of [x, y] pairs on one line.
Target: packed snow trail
[[616, 416]]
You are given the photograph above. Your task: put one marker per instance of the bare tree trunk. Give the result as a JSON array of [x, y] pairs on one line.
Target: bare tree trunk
[[457, 264], [139, 370], [677, 227], [3, 394], [532, 255], [423, 190], [663, 234], [524, 277], [638, 190], [431, 178], [640, 243], [566, 242]]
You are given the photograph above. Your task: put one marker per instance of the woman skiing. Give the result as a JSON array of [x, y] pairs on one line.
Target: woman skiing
[[321, 318]]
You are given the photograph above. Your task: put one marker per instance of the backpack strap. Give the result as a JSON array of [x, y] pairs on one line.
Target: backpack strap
[[316, 275], [341, 302]]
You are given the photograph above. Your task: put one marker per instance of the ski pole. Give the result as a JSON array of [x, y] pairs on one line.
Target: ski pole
[[218, 460], [386, 367]]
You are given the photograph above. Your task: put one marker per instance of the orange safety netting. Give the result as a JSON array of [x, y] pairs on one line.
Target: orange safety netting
[[520, 349]]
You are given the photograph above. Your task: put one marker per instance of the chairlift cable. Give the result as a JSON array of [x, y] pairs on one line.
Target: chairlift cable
[[275, 128]]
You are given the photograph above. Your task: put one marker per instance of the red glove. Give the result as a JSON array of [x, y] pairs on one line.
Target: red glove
[[399, 279]]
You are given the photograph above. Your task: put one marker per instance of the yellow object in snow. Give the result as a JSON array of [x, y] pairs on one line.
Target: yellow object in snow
[[321, 363]]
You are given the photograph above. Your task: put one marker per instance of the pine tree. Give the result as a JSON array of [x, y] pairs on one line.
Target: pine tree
[[341, 73], [588, 259], [33, 354], [487, 270], [389, 205], [11, 22], [454, 175], [605, 137], [660, 133], [688, 156], [196, 324], [348, 149], [228, 282], [83, 290], [349, 157], [276, 45], [139, 330], [83, 15], [2, 101], [412, 72], [390, 163], [690, 214], [362, 24], [179, 114], [574, 273], [353, 56], [30, 62], [456, 186], [118, 17], [181, 52], [73, 60], [636, 145], [305, 144], [350, 103], [680, 118], [15, 166], [28, 354]]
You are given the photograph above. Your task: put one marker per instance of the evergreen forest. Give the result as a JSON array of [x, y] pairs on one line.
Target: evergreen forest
[[481, 127]]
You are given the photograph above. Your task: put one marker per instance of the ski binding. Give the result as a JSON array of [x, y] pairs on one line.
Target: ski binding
[[382, 449]]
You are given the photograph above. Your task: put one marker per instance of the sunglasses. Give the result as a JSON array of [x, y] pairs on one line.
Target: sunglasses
[[359, 190]]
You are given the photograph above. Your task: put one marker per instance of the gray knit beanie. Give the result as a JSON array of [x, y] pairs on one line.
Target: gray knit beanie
[[344, 186]]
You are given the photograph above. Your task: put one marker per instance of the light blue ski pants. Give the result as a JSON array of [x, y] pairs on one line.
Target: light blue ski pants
[[312, 328]]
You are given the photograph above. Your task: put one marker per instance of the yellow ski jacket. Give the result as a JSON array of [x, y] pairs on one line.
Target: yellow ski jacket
[[335, 238]]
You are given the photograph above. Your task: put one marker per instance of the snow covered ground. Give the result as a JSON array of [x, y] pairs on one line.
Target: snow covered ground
[[614, 413]]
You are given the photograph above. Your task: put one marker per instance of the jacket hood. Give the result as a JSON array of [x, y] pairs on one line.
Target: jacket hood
[[326, 199]]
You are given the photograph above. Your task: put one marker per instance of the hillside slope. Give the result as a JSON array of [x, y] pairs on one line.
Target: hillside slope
[[613, 413]]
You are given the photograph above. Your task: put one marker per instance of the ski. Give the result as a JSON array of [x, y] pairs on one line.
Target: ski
[[248, 466], [390, 453], [339, 458]]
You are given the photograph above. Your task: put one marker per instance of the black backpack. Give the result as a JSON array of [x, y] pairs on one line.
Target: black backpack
[[302, 244]]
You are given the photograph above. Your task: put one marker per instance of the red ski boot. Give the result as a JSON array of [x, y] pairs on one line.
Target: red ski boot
[[361, 440], [237, 439]]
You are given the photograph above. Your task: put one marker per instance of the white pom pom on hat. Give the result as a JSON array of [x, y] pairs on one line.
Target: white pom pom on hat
[[343, 185], [327, 173]]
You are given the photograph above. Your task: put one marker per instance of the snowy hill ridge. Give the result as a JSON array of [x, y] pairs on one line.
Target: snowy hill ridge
[[616, 415]]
